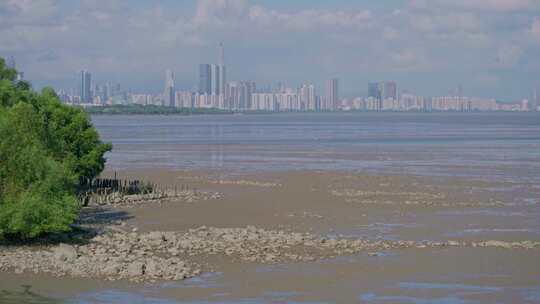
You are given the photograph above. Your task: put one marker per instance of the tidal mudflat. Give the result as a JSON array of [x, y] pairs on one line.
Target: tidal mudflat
[[299, 240], [304, 209]]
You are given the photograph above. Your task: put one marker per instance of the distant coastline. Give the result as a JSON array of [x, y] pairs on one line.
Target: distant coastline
[[135, 109], [150, 110]]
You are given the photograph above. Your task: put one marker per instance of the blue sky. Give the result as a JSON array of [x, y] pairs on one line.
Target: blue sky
[[429, 47]]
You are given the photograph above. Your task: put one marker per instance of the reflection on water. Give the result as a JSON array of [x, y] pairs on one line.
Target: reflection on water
[[24, 295], [205, 280], [112, 296], [495, 145], [447, 286], [449, 293], [115, 296], [373, 298]]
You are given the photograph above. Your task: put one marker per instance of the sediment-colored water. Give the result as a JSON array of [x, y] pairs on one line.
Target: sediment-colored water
[[390, 177]]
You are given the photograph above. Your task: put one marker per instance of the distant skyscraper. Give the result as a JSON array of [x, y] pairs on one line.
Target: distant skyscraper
[[215, 80], [221, 79], [307, 97], [213, 77], [374, 90], [332, 94], [239, 95], [221, 55], [169, 94], [11, 62], [221, 70], [205, 79], [86, 84], [535, 102], [389, 90], [381, 91]]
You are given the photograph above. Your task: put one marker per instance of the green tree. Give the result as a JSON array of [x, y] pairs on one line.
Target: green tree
[[37, 193], [47, 151]]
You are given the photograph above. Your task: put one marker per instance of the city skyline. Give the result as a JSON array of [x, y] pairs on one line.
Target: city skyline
[[488, 47], [215, 92]]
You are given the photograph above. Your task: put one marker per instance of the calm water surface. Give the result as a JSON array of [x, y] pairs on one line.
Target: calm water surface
[[504, 146]]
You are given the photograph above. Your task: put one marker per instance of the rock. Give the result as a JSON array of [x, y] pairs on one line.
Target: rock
[[155, 236], [135, 269], [497, 244], [153, 269], [111, 269], [65, 252]]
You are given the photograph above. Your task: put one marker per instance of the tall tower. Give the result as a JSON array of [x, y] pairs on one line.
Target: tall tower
[[204, 78], [389, 90], [332, 94], [168, 94], [307, 97], [222, 71], [11, 62], [86, 84], [535, 100], [221, 54], [215, 79]]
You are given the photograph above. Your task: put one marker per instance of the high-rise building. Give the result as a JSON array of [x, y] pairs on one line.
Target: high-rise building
[[307, 97], [535, 102], [374, 90], [205, 79], [11, 63], [222, 70], [86, 84], [239, 95], [221, 79], [382, 92], [213, 77], [169, 92], [332, 94], [389, 90], [221, 54]]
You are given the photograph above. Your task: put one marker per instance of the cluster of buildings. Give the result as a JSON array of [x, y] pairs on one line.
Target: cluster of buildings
[[214, 91], [106, 94], [410, 102]]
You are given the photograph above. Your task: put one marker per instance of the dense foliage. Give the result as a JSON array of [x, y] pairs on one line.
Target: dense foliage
[[47, 150]]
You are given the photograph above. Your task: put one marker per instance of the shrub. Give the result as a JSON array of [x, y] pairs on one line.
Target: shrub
[[46, 150]]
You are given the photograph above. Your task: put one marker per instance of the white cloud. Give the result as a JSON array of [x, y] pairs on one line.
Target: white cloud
[[498, 5], [409, 60], [509, 55], [480, 5], [219, 11], [535, 29], [308, 20], [486, 80], [389, 33]]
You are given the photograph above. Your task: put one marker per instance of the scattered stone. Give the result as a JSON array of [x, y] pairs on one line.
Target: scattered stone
[[65, 252], [164, 255]]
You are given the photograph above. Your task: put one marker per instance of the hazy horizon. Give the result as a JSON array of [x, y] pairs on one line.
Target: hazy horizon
[[489, 47]]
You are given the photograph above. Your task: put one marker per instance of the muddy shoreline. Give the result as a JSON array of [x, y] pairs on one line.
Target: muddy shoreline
[[298, 217]]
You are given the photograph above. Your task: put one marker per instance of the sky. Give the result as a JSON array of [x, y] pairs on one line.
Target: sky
[[429, 47]]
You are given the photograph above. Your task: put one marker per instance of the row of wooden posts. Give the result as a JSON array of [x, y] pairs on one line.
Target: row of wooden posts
[[103, 188]]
